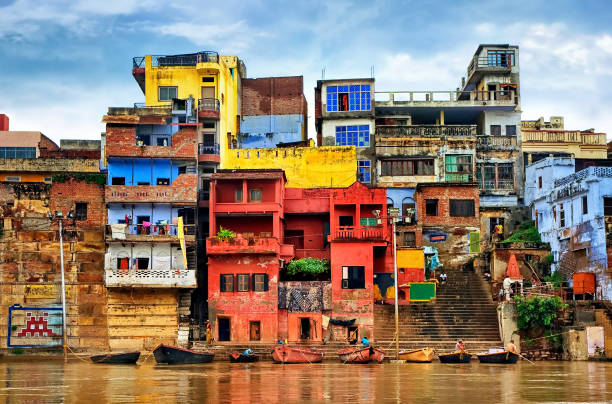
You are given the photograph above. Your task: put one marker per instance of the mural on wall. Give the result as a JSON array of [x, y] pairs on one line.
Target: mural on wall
[[302, 297], [34, 326]]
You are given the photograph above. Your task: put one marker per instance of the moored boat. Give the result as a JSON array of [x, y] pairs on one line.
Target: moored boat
[[417, 355], [123, 358], [377, 354], [239, 357], [455, 357], [172, 355], [361, 355], [287, 354], [498, 357]]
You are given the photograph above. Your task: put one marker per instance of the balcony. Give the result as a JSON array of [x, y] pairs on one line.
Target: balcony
[[361, 233], [562, 136], [446, 99], [425, 131], [496, 142], [242, 245], [501, 63], [493, 185], [184, 60], [208, 108], [209, 153], [154, 233], [150, 278]]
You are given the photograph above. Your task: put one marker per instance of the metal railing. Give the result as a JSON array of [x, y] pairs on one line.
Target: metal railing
[[496, 142], [190, 59], [504, 61], [138, 62], [426, 130], [208, 104], [150, 230], [208, 148], [493, 184], [445, 96]]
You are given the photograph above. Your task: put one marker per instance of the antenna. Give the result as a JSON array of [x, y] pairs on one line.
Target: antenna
[[323, 73], [372, 72]]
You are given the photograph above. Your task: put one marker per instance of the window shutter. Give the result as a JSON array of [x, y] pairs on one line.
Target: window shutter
[[235, 283], [253, 282], [250, 285], [222, 286], [266, 282]]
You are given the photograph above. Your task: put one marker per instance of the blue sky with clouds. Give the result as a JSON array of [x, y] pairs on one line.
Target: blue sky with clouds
[[63, 63]]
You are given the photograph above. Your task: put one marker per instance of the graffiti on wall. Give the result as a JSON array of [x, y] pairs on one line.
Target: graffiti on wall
[[34, 326]]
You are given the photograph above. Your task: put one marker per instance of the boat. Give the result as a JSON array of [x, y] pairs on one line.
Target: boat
[[239, 357], [361, 355], [286, 354], [498, 357], [455, 357], [417, 355], [123, 358], [172, 355]]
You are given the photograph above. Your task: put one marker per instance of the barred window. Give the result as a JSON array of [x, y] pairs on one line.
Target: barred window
[[353, 135], [348, 98], [462, 208]]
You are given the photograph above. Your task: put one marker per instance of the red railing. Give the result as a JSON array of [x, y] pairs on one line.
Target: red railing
[[359, 233]]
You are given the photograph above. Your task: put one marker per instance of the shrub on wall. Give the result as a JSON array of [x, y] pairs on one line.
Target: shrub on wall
[[307, 266]]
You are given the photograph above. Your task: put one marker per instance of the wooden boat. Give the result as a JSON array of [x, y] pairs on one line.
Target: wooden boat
[[377, 354], [239, 357], [417, 355], [287, 354], [455, 357], [124, 358], [498, 357], [172, 355], [361, 355]]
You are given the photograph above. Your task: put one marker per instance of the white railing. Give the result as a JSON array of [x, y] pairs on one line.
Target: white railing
[[163, 278]]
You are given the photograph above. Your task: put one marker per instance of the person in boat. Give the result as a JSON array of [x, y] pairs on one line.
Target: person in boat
[[510, 347], [248, 351], [365, 341], [460, 346]]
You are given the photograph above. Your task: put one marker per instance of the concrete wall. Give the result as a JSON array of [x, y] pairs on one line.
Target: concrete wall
[[269, 130], [508, 326]]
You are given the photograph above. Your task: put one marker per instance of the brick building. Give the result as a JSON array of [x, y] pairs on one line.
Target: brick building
[[250, 297]]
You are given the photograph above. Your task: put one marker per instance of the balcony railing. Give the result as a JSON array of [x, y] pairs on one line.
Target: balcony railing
[[190, 59], [169, 230], [502, 61], [561, 136], [602, 172], [242, 245], [493, 185], [164, 278], [425, 130], [496, 142], [205, 148], [348, 233], [208, 104], [476, 97]]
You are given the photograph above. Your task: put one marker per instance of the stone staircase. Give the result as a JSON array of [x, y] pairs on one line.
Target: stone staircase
[[463, 310]]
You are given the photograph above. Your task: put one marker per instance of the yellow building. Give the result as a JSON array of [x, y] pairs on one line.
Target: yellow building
[[305, 167], [212, 81], [542, 139]]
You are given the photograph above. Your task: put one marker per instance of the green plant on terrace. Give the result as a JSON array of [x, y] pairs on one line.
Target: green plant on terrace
[[307, 266], [225, 234]]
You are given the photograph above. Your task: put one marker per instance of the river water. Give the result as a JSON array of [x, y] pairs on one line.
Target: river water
[[219, 382]]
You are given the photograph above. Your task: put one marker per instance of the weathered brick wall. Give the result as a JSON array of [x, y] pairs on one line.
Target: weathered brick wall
[[182, 189], [273, 96], [121, 142], [444, 193], [30, 258]]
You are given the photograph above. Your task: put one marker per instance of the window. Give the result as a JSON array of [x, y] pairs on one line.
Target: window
[[208, 79], [17, 152], [459, 168], [12, 178], [348, 98], [561, 216], [431, 207], [510, 130], [345, 220], [355, 135], [585, 205], [495, 176], [501, 58], [163, 181], [539, 182], [143, 140], [48, 180], [462, 208], [607, 202], [118, 181], [123, 263], [163, 141], [353, 277], [243, 282], [144, 183], [260, 282], [407, 167], [367, 221], [363, 170], [410, 239], [167, 93], [238, 195], [227, 283], [254, 330], [505, 176], [80, 211], [254, 195], [495, 130]]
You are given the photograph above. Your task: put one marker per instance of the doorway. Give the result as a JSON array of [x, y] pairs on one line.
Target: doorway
[[304, 328], [208, 92], [224, 329], [255, 330]]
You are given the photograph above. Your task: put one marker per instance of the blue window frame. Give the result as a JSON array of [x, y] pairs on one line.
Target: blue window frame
[[353, 135], [17, 152], [363, 170], [349, 98]]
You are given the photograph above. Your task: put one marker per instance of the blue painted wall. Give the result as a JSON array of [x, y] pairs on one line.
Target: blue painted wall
[[266, 131], [399, 195], [141, 170]]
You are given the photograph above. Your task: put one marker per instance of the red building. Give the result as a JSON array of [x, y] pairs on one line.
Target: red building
[[249, 299]]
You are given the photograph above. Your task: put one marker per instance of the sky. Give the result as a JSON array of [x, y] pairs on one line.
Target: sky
[[64, 62]]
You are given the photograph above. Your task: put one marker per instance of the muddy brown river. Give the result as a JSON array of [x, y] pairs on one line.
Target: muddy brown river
[[51, 381]]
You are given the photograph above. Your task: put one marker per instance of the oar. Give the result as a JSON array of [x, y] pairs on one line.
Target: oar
[[533, 363]]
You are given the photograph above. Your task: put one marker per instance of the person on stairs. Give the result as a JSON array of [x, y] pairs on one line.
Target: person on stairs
[[443, 278]]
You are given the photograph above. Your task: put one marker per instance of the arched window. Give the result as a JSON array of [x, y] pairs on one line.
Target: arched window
[[409, 210]]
